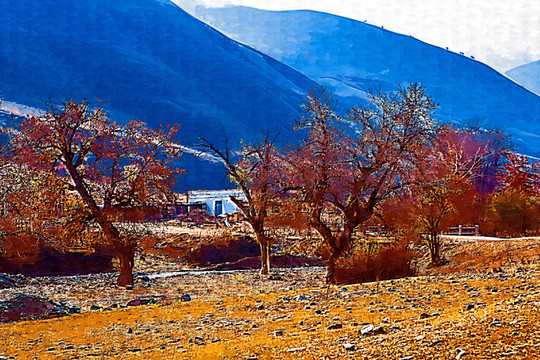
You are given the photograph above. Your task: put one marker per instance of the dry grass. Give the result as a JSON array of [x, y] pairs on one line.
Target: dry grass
[[244, 331]]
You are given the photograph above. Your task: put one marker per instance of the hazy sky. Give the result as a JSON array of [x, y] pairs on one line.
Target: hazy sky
[[502, 33]]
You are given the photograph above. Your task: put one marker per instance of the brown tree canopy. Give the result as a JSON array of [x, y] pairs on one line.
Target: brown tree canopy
[[256, 171], [108, 166], [348, 165]]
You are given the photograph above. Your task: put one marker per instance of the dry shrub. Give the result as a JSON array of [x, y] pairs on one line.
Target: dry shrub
[[226, 248], [390, 262]]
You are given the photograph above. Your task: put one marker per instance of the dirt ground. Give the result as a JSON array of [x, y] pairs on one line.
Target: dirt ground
[[483, 304]]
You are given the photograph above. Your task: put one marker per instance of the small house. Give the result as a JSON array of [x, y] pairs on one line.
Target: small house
[[218, 202]]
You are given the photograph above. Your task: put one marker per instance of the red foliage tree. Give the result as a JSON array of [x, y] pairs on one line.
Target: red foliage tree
[[255, 173], [449, 185], [348, 166], [108, 167], [514, 210]]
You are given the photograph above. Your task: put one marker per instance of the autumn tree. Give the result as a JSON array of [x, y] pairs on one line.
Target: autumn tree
[[254, 170], [107, 166], [347, 166], [450, 182], [514, 209]]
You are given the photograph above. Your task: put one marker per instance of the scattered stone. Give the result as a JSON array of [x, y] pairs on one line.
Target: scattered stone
[[278, 333], [94, 308], [260, 307], [31, 307], [216, 340], [436, 342], [409, 357], [469, 306], [335, 326], [424, 316], [460, 353], [185, 297], [318, 312], [296, 349], [349, 347], [367, 329], [130, 331]]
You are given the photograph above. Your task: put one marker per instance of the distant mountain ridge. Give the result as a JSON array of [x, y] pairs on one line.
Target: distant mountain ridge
[[150, 60], [527, 75], [350, 58]]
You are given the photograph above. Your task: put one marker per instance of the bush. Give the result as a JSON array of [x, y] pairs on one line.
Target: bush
[[390, 262]]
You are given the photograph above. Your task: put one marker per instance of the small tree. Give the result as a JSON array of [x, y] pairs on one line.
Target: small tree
[[108, 166], [258, 178], [514, 209], [449, 185], [348, 166]]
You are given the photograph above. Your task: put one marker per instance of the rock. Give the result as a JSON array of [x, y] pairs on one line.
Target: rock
[[296, 349], [469, 306], [130, 331], [216, 340], [409, 357], [318, 312], [378, 330], [424, 315], [349, 347], [134, 302], [366, 329], [31, 307], [129, 287], [278, 333], [460, 353], [260, 307], [335, 326], [185, 297]]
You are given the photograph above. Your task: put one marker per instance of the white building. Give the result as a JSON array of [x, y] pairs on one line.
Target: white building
[[217, 202]]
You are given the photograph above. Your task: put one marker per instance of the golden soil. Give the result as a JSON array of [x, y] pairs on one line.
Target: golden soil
[[474, 313]]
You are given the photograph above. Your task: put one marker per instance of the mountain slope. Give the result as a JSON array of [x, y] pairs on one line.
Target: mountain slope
[[527, 75], [352, 57], [150, 60]]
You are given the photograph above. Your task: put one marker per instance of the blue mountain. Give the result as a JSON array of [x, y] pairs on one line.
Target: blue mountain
[[527, 75], [149, 60], [351, 57]]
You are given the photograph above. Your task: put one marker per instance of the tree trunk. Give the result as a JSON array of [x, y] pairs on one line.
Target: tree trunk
[[331, 268], [126, 256], [265, 258], [434, 249]]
